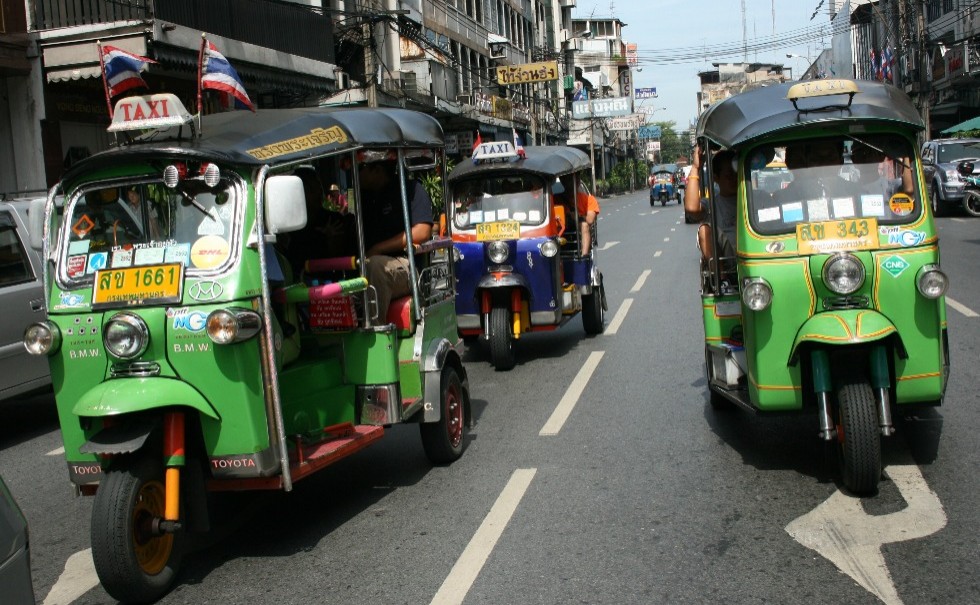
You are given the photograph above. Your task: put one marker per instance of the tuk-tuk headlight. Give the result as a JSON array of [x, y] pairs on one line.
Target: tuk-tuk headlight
[[931, 282], [126, 336], [227, 326], [843, 273], [757, 294], [498, 252], [549, 248], [42, 338]]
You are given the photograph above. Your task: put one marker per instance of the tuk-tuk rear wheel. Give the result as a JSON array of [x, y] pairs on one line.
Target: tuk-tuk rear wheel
[[133, 562], [858, 437], [592, 314], [443, 440], [501, 340]]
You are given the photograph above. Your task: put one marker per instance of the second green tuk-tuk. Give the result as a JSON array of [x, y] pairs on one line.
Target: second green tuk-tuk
[[202, 336], [830, 301]]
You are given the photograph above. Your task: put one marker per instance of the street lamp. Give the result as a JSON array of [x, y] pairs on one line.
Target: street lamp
[[809, 62]]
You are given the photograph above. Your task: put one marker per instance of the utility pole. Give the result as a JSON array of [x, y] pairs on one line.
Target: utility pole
[[924, 84], [371, 82]]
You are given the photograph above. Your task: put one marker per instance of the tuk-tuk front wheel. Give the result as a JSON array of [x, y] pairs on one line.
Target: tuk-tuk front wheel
[[501, 340], [134, 561], [858, 437], [592, 312], [443, 440]]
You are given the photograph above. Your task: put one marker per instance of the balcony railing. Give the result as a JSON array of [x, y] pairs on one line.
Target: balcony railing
[[281, 26]]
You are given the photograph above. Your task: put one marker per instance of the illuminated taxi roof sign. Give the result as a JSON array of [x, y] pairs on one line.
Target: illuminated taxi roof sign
[[822, 88], [149, 111], [493, 150]]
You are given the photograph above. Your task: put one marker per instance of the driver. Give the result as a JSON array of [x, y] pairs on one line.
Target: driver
[[726, 177]]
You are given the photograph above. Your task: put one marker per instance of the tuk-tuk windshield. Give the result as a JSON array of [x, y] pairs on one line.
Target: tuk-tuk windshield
[[850, 177], [148, 223], [499, 198]]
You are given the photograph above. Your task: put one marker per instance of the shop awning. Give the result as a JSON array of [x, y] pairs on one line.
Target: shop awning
[[971, 124]]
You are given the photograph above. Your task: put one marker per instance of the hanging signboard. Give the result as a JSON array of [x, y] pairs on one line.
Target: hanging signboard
[[527, 73], [648, 132], [646, 93], [630, 123], [613, 107]]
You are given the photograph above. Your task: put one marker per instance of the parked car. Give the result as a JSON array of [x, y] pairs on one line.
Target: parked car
[[15, 552], [22, 301], [939, 160]]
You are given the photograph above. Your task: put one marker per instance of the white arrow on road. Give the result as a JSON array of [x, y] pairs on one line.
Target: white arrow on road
[[607, 246], [77, 579], [851, 539]]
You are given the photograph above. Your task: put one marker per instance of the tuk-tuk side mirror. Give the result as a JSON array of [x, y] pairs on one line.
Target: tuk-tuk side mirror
[[35, 222], [285, 204], [560, 218], [965, 168]]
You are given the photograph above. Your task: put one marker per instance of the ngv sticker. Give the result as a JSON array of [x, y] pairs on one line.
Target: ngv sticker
[[69, 300], [907, 238], [190, 321]]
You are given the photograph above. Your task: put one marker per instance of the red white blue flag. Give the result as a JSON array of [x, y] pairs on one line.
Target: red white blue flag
[[518, 146], [121, 70], [218, 74]]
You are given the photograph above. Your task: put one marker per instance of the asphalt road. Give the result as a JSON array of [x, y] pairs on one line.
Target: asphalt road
[[596, 473]]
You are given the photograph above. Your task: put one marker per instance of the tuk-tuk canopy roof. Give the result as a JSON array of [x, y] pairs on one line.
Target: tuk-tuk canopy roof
[[767, 110], [277, 136], [545, 161]]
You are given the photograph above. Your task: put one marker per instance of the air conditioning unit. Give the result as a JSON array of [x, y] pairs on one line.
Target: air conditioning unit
[[464, 99], [498, 51], [343, 80]]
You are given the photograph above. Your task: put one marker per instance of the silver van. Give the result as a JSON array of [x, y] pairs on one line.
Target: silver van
[[21, 303]]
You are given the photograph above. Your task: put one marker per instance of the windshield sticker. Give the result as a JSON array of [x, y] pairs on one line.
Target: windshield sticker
[[818, 209], [209, 252], [122, 258], [906, 238], [843, 207], [318, 137], [476, 216], [148, 256], [79, 247], [520, 216], [901, 204], [489, 216], [211, 224], [82, 226], [793, 212], [97, 261], [768, 214], [503, 214], [873, 205], [181, 253], [534, 216], [75, 265]]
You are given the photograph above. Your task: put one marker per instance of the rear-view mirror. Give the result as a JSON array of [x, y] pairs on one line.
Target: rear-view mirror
[[285, 204]]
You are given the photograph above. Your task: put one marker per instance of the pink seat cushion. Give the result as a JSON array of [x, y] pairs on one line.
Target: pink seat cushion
[[400, 313]]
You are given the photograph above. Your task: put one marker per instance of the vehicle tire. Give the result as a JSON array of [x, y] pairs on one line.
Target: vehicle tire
[[858, 437], [971, 203], [593, 315], [501, 340], [663, 201], [443, 440], [133, 564], [653, 202], [937, 205]]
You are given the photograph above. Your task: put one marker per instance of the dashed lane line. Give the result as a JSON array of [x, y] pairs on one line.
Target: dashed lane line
[[640, 281], [666, 239], [617, 319], [57, 452], [469, 564], [965, 310], [657, 253], [571, 396]]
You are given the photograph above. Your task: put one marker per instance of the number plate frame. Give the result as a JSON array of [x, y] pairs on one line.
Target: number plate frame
[[825, 238], [498, 230], [106, 295]]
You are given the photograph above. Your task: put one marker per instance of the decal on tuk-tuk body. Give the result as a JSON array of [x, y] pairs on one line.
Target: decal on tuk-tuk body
[[318, 137]]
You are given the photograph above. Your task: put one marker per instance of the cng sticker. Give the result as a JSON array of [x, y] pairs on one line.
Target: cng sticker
[[895, 265]]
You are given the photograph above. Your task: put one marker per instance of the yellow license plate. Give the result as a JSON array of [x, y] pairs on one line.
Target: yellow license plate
[[151, 284], [837, 236], [488, 232]]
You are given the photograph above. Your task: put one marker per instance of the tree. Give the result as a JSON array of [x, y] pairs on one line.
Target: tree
[[672, 146]]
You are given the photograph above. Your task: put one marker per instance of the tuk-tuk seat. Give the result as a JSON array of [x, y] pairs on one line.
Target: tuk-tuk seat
[[400, 314]]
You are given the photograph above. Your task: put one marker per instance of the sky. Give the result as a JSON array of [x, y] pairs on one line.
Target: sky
[[677, 39]]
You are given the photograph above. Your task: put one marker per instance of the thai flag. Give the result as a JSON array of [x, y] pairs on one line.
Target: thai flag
[[518, 147], [121, 70], [886, 65], [218, 74], [874, 66], [476, 144]]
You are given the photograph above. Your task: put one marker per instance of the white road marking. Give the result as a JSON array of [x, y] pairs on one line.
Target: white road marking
[[640, 281], [469, 564], [851, 539], [617, 319], [666, 239], [654, 211], [960, 220], [564, 408], [607, 245], [78, 578], [673, 229], [657, 253], [57, 452], [965, 310]]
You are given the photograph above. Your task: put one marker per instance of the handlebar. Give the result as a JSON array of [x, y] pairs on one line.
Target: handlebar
[[299, 293], [337, 263]]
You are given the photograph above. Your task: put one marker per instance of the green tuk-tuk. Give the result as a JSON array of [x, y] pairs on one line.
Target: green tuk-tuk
[[194, 345], [823, 294]]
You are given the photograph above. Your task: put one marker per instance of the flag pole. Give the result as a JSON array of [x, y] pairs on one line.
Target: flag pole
[[105, 84], [200, 63]]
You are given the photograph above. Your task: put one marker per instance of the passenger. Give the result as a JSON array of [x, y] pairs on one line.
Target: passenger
[[588, 212], [872, 180], [816, 172], [336, 200], [385, 240], [726, 177], [135, 209]]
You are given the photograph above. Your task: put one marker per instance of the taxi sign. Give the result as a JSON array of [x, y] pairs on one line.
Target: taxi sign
[[494, 150], [837, 236], [150, 111], [150, 284]]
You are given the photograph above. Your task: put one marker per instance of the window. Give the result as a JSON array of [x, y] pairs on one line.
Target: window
[[14, 267]]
